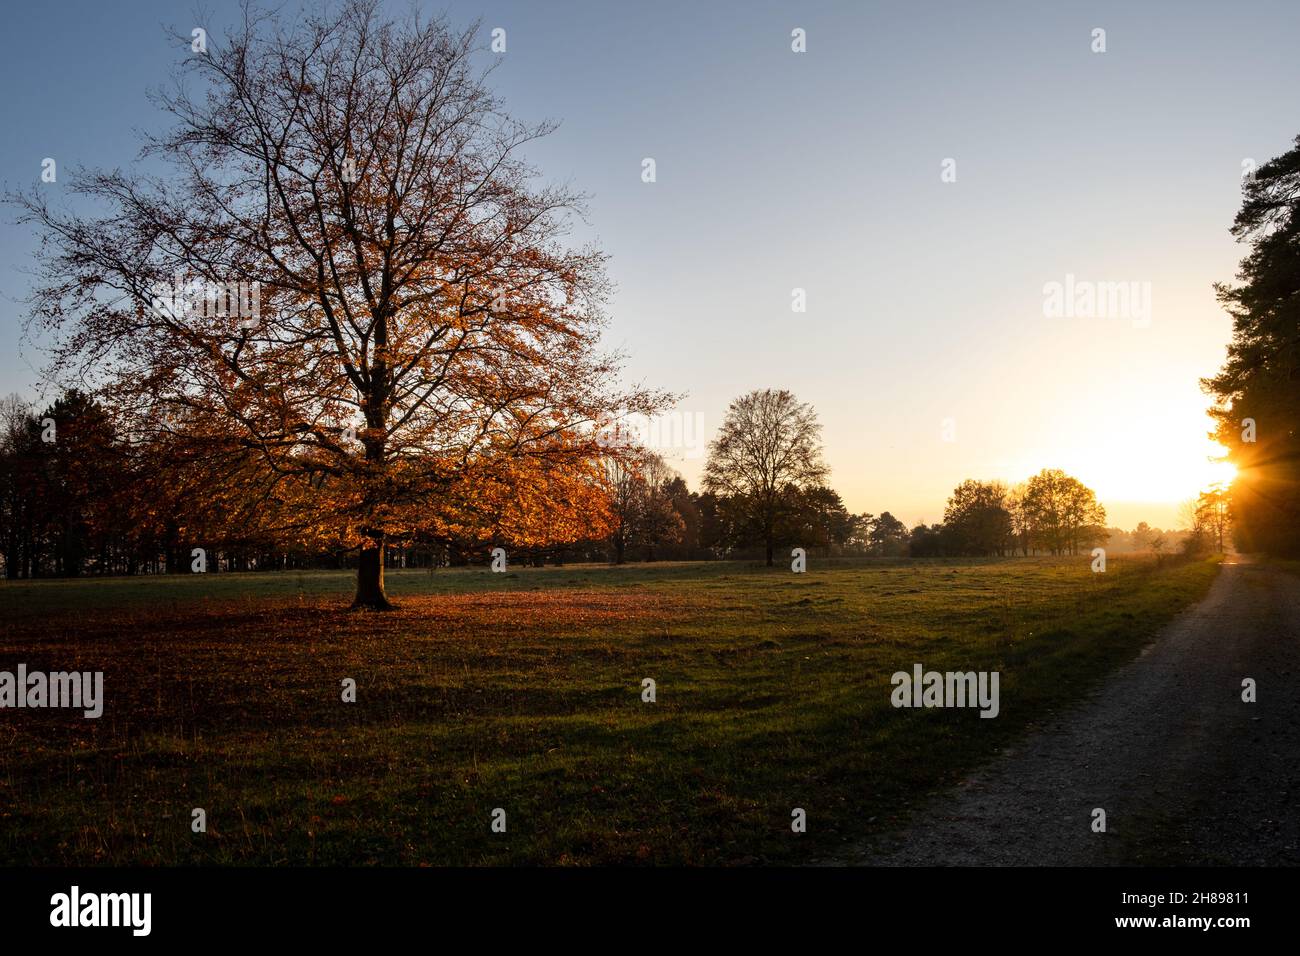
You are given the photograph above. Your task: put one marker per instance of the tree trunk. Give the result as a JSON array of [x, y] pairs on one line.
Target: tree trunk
[[370, 580], [370, 565]]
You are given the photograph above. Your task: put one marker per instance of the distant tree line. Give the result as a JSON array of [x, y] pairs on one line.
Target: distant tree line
[[1051, 513], [77, 496], [764, 488]]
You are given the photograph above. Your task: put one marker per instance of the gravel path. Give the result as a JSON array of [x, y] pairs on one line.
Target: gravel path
[[1187, 773]]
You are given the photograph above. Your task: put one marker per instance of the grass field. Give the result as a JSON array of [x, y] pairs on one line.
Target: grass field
[[523, 691]]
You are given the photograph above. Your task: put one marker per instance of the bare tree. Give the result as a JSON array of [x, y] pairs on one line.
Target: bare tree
[[1214, 508], [768, 444], [1022, 519], [658, 522], [639, 490], [621, 474]]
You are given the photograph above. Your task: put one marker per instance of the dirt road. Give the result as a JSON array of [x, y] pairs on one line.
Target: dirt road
[[1187, 773]]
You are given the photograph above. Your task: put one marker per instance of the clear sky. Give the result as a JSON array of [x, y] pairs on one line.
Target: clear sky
[[822, 171]]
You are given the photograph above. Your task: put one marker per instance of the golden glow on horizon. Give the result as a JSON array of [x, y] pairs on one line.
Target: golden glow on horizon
[[1157, 454], [1157, 470]]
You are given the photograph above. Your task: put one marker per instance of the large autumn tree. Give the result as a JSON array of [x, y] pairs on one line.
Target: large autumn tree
[[424, 354], [1257, 391]]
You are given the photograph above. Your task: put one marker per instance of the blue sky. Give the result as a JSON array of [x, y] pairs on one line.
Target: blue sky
[[821, 171]]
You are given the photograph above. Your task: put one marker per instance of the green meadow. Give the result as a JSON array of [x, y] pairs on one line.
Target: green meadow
[[523, 691]]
